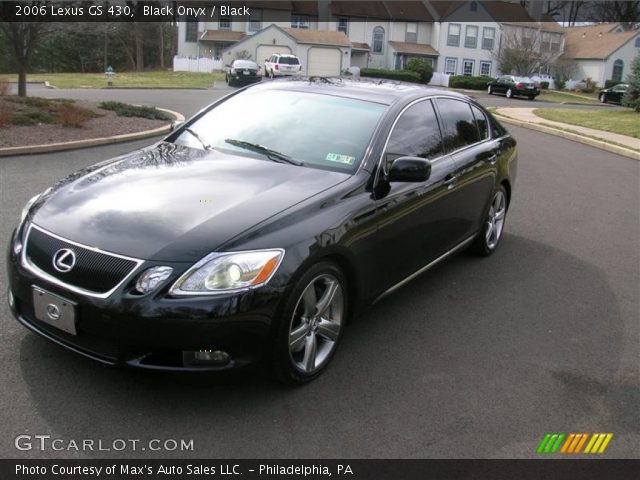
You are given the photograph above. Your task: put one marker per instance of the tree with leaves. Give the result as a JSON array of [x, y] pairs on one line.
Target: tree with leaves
[[631, 98]]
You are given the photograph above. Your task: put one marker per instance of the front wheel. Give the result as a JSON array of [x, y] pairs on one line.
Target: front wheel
[[531, 97], [602, 98], [489, 237], [509, 93], [490, 90], [311, 324]]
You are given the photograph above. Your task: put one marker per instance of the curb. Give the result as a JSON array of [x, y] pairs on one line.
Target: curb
[[92, 142], [572, 136]]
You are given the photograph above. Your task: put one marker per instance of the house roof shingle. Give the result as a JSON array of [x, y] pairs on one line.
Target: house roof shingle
[[360, 46], [415, 48], [595, 41], [228, 36], [408, 11], [320, 37]]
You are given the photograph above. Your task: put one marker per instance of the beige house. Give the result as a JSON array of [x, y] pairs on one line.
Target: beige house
[[602, 52]]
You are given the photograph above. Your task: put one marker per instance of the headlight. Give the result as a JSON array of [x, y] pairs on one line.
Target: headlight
[[225, 272], [27, 207]]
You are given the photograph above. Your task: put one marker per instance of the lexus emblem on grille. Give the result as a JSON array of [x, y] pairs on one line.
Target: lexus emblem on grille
[[64, 260], [53, 312]]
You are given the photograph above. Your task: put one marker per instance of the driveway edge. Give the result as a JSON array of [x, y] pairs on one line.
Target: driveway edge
[[92, 142], [572, 136]]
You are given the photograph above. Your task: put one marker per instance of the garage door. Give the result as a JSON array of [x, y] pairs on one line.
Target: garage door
[[324, 62], [265, 51]]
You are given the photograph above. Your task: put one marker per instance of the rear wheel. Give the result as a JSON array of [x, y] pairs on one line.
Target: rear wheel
[[509, 93], [489, 237], [311, 324]]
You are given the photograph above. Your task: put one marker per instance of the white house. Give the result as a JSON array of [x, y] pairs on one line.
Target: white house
[[468, 44], [602, 52]]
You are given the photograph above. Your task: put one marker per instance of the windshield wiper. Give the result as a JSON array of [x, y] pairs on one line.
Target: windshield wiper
[[271, 154], [199, 138]]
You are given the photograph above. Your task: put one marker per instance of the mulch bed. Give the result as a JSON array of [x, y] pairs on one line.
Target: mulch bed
[[106, 125]]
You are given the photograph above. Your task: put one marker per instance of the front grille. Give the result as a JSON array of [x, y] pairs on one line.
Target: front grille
[[93, 271]]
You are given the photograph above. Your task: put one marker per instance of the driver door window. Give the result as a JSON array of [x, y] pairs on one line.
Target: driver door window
[[415, 134]]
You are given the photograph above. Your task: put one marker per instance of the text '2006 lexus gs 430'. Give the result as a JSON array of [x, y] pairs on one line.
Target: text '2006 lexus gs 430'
[[259, 227]]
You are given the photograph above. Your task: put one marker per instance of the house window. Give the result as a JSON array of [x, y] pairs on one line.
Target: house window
[[411, 35], [485, 69], [255, 22], [217, 50], [451, 66], [225, 22], [467, 67], [488, 38], [555, 45], [453, 38], [191, 32], [618, 67], [300, 21], [343, 25], [378, 40], [471, 36]]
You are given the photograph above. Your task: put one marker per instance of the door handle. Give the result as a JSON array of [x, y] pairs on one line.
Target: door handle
[[492, 159], [450, 181]]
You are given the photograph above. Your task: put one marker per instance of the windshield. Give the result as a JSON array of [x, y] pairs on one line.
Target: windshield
[[289, 61], [320, 131]]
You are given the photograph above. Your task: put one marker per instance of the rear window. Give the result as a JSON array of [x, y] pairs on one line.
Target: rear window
[[244, 64], [289, 61], [523, 79]]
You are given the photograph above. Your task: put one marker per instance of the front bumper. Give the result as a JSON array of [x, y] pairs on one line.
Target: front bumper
[[152, 331]]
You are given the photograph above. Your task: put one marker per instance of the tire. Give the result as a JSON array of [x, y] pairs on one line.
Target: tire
[[488, 240], [531, 97], [602, 98], [305, 341], [490, 90], [509, 93]]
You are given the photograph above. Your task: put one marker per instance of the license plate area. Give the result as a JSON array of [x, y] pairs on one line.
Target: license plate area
[[54, 310]]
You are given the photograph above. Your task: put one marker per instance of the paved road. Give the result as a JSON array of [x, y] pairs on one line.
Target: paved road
[[477, 358]]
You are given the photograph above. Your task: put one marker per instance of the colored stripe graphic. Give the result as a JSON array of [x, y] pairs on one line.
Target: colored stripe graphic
[[551, 442], [572, 443]]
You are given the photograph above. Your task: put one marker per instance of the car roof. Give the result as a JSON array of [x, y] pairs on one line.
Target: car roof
[[386, 92], [285, 54]]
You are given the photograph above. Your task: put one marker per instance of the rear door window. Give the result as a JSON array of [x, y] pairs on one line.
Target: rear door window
[[481, 122], [458, 123]]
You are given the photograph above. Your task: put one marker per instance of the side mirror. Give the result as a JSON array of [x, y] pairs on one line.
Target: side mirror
[[409, 169], [175, 125]]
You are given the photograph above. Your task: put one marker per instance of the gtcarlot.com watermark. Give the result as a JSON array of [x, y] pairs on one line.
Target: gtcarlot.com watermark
[[43, 443]]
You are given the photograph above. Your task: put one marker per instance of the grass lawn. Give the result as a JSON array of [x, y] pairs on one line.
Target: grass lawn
[[157, 79], [563, 97], [624, 122]]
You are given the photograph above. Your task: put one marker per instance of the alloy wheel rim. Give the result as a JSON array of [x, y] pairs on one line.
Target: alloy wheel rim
[[316, 323], [509, 93], [495, 220]]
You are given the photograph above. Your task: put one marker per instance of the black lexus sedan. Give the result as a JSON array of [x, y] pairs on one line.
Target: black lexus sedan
[[512, 86], [242, 72], [613, 94], [241, 238]]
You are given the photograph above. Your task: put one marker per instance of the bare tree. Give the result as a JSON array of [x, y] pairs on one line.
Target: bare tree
[[625, 12], [523, 51], [23, 37], [567, 12]]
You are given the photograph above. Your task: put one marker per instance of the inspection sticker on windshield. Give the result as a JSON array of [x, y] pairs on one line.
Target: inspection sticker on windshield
[[336, 157]]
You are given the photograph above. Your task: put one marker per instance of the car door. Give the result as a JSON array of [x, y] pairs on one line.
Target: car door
[[467, 140], [414, 219]]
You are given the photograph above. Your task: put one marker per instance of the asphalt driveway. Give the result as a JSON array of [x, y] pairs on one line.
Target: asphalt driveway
[[476, 358]]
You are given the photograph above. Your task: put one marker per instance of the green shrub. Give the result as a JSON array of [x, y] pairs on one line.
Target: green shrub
[[25, 119], [421, 67], [470, 83], [560, 84], [401, 75], [544, 85], [631, 97], [126, 110]]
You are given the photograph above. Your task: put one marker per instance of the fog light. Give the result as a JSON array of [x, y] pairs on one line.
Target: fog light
[[205, 357], [151, 278]]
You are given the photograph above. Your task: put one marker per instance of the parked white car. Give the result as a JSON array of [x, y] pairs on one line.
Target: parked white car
[[279, 64]]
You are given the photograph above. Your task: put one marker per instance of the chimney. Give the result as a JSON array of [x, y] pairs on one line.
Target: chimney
[[534, 9]]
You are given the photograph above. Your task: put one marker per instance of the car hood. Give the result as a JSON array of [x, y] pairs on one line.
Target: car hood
[[173, 203]]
